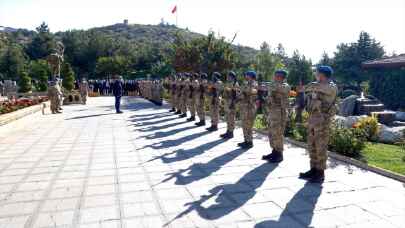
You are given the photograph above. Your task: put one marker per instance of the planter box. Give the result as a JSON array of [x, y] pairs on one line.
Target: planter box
[[12, 116]]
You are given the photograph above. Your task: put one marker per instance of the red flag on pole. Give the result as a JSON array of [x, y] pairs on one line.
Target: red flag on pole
[[174, 9]]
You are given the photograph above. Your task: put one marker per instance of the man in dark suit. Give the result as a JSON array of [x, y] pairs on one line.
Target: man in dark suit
[[117, 91]]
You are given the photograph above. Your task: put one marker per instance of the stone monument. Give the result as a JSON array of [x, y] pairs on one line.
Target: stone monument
[[54, 90]]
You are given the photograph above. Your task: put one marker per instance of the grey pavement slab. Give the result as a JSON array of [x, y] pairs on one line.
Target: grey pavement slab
[[90, 167]]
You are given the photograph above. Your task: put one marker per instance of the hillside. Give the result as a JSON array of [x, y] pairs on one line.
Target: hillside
[[161, 34]]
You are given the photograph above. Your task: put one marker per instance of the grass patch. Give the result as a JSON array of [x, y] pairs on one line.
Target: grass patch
[[389, 157]]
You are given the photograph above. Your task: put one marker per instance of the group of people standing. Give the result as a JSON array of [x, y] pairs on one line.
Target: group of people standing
[[105, 87], [190, 91]]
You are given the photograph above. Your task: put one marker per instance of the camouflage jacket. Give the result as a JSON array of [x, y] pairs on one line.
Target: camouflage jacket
[[321, 98], [278, 95]]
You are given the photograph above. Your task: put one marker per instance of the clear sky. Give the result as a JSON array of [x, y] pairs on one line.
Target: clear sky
[[311, 26]]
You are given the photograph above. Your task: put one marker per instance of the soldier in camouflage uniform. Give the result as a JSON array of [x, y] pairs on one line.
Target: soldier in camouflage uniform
[[214, 89], [229, 94], [200, 101], [53, 97], [179, 87], [193, 86], [84, 90], [247, 99], [184, 95], [172, 90], [59, 93], [277, 104], [321, 96]]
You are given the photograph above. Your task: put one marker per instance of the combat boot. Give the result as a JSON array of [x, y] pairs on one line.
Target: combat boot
[[201, 123], [308, 174], [275, 157], [178, 112], [318, 176], [242, 144], [192, 118], [172, 110], [247, 145], [268, 156], [227, 135], [212, 128], [224, 135], [183, 115]]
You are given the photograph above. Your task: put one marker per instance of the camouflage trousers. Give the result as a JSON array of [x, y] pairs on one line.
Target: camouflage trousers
[[230, 115], [214, 112], [173, 100], [318, 139], [248, 119], [84, 97], [200, 108], [191, 105], [178, 102], [277, 122], [183, 104]]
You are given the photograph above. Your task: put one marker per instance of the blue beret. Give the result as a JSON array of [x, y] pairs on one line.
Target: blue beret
[[251, 73], [326, 70], [282, 72], [232, 74]]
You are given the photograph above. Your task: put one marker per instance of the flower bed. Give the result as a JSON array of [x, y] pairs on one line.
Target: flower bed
[[20, 103]]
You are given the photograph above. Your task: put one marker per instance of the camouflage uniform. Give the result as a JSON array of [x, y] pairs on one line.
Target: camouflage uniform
[[192, 97], [200, 101], [59, 96], [229, 95], [277, 114], [84, 91], [248, 108], [214, 91], [173, 94], [184, 96], [321, 108], [52, 94], [179, 87]]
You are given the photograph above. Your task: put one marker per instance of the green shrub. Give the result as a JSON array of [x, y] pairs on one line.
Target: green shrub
[[260, 122], [370, 126], [297, 131], [347, 141], [24, 83]]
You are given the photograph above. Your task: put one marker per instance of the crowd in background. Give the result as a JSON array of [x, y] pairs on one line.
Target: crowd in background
[[104, 87]]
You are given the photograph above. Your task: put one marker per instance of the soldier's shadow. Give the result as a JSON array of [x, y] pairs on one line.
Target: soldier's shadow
[[199, 171], [174, 142], [150, 118], [147, 123], [157, 128], [304, 218], [222, 207], [162, 134], [181, 155]]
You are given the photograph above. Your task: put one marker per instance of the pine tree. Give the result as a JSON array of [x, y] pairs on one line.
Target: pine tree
[[40, 72], [300, 70], [42, 43], [68, 76], [24, 83]]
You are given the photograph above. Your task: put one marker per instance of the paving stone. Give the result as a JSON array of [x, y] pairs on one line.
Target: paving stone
[[148, 168]]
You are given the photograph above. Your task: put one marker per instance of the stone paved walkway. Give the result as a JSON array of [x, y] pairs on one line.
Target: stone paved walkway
[[146, 168]]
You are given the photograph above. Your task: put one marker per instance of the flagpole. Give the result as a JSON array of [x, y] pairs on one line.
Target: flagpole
[[177, 13]]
